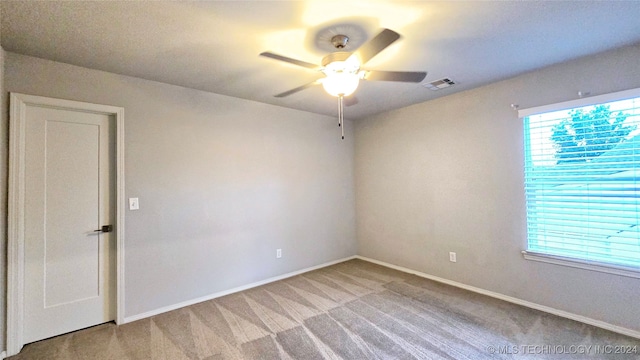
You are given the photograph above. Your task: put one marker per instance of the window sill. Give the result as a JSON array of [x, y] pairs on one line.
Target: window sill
[[583, 264]]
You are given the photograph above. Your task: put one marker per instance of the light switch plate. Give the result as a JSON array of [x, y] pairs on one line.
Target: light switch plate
[[134, 204]]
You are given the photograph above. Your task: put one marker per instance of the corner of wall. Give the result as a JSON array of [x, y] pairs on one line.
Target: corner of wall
[[4, 153]]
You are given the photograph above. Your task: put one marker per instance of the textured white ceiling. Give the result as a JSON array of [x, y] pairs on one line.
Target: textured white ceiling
[[214, 45]]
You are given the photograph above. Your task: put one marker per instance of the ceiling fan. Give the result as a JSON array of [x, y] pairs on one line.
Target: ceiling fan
[[343, 70]]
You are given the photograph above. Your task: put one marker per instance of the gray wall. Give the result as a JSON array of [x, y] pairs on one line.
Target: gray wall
[[447, 175], [222, 183]]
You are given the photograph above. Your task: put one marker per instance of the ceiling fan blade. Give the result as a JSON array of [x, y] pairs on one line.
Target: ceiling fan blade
[[380, 42], [299, 88], [350, 100], [290, 60], [403, 76]]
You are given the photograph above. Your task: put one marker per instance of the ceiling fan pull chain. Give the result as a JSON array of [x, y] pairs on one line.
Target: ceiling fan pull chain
[[339, 111], [341, 114]]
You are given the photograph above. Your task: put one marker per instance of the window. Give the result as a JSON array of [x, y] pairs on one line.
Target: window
[[582, 181]]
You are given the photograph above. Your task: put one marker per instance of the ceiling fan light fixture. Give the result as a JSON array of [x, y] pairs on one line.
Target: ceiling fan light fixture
[[341, 84], [342, 74]]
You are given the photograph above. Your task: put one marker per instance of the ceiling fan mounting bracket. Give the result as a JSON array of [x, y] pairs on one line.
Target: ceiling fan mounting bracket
[[340, 41]]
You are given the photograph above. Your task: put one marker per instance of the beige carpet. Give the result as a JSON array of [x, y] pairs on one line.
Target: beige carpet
[[352, 310]]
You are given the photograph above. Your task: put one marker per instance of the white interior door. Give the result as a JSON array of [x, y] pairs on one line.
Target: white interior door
[[69, 268]]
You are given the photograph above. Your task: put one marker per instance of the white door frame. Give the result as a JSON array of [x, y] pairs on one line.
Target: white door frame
[[15, 220]]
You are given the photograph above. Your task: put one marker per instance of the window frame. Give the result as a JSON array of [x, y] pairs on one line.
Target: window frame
[[626, 271]]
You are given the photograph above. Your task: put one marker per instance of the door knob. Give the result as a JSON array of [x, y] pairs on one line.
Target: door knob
[[105, 228]]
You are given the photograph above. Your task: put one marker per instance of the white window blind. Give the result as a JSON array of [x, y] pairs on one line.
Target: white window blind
[[582, 180]]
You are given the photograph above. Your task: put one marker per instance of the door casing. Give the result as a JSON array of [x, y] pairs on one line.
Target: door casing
[[16, 191]]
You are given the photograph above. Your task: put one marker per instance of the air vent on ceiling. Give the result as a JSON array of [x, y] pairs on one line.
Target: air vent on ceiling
[[439, 84]]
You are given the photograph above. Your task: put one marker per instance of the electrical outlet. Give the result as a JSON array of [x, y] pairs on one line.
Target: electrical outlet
[[278, 253], [452, 257]]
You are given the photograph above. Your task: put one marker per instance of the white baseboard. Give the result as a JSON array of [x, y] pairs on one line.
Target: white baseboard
[[161, 310], [547, 309], [3, 355]]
